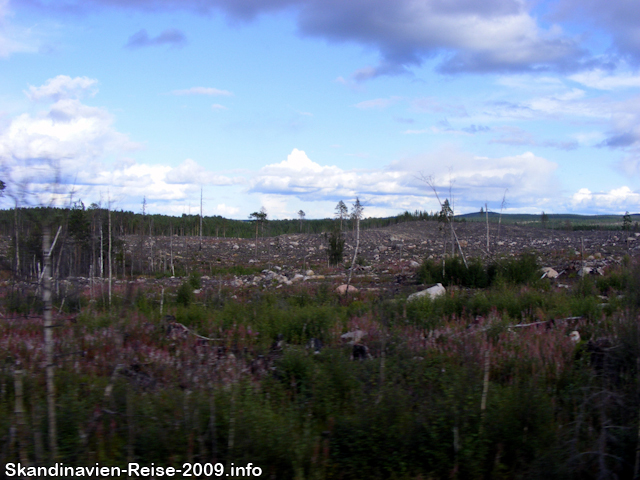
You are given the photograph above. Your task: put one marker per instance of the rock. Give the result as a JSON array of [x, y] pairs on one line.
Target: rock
[[309, 273], [549, 272], [342, 289], [355, 336], [297, 278], [432, 292], [236, 246], [414, 264], [584, 271], [463, 243]]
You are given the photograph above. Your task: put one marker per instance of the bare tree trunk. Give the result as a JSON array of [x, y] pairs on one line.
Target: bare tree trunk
[[101, 252], [109, 253], [485, 388], [636, 467], [355, 253], [131, 428], [200, 218], [173, 270], [486, 212], [17, 242], [502, 205], [49, 345], [21, 424]]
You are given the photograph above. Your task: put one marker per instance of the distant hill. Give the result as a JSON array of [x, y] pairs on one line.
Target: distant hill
[[553, 220]]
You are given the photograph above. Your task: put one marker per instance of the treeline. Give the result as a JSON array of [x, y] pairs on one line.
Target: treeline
[[82, 243], [130, 223]]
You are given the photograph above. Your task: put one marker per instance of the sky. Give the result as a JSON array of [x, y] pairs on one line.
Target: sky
[[525, 106]]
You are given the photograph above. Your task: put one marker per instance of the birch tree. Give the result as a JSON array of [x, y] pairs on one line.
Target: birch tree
[[356, 215]]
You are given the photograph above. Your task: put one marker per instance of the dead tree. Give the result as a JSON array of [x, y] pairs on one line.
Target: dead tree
[[502, 205], [49, 343], [356, 214], [430, 182]]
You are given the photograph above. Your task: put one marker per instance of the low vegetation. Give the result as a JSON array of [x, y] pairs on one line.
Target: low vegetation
[[483, 382]]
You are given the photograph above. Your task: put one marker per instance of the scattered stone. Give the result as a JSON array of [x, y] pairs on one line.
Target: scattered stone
[[342, 289], [550, 272], [432, 292], [584, 271], [414, 264], [354, 336]]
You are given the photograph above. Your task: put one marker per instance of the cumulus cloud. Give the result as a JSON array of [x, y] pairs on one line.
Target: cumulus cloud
[[70, 145], [618, 200], [170, 36], [619, 19], [488, 36], [190, 172], [69, 132], [529, 178], [63, 87]]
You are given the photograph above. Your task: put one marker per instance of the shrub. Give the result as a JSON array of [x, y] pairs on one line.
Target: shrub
[[336, 247], [194, 280], [185, 294], [521, 270]]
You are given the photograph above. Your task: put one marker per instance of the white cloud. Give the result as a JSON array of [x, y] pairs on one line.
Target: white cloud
[[603, 80], [226, 210], [62, 87], [217, 106], [69, 134], [203, 91], [72, 145], [190, 172], [618, 200], [529, 178]]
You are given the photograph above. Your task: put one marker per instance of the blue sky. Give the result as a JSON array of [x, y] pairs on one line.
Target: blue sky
[[297, 104]]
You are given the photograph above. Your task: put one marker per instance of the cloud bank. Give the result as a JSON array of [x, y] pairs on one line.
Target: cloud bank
[[466, 36]]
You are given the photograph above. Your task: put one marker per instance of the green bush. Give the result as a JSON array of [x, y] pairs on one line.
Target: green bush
[[184, 295], [521, 270], [194, 280], [336, 247]]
